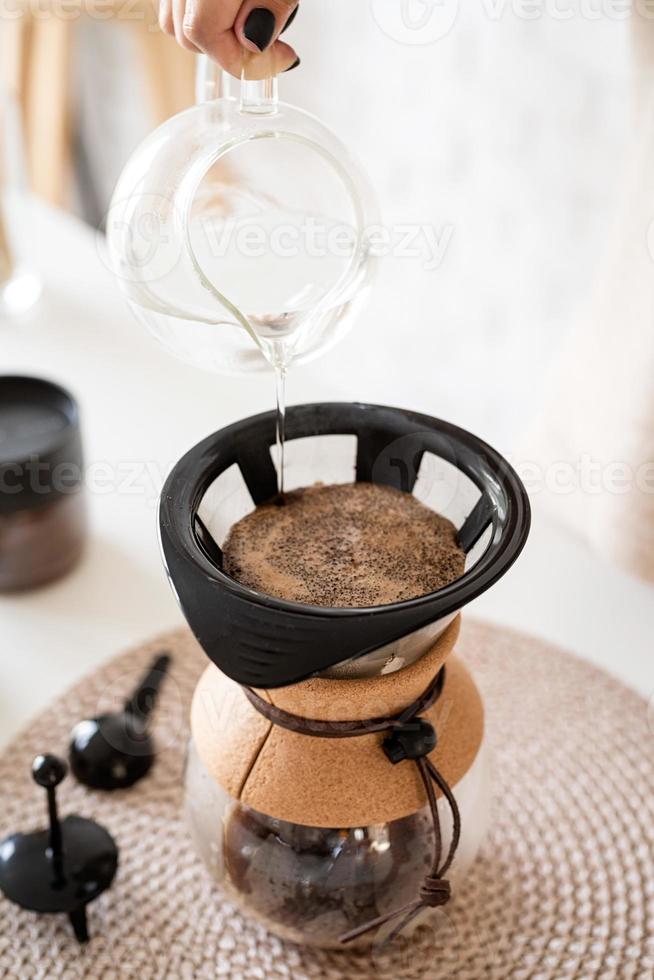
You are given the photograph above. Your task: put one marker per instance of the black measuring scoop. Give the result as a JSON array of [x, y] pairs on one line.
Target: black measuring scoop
[[60, 869], [114, 751]]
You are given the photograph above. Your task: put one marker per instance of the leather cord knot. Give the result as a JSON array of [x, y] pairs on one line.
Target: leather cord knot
[[435, 892], [410, 738]]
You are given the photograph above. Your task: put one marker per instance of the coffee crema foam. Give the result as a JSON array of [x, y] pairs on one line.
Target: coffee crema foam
[[344, 545]]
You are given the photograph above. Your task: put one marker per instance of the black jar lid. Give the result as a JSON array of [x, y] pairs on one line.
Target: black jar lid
[[40, 443]]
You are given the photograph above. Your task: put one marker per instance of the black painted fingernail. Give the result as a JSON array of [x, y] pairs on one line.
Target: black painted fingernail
[[290, 20], [259, 27], [294, 65]]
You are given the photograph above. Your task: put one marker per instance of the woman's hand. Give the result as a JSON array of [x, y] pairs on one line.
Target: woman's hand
[[231, 30]]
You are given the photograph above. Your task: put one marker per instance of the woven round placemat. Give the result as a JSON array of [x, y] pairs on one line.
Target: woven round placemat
[[564, 886]]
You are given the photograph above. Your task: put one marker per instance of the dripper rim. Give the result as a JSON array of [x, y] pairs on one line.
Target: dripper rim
[[469, 586]]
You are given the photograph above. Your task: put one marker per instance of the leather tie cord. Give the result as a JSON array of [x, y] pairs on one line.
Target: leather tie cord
[[410, 738]]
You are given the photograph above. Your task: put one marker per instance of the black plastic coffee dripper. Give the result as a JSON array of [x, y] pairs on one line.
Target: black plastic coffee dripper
[[113, 751], [263, 641], [60, 869]]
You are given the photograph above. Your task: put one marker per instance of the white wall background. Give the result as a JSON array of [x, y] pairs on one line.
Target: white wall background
[[508, 131]]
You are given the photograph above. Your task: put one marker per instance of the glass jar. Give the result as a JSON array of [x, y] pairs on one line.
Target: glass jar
[[40, 544], [42, 507]]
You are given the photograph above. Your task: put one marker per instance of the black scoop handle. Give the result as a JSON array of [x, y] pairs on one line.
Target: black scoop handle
[[141, 704]]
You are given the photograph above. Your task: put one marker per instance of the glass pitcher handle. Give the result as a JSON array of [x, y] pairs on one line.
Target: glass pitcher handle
[[257, 96], [211, 82]]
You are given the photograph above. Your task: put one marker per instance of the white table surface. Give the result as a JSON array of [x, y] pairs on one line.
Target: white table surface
[[142, 409]]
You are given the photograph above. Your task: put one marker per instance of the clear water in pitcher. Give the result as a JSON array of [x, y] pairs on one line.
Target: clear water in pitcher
[[264, 286]]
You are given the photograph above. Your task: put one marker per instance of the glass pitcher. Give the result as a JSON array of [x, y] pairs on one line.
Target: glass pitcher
[[240, 230]]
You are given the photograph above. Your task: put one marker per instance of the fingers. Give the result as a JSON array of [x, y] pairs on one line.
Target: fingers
[[228, 52], [166, 17], [260, 22], [220, 29], [179, 21], [183, 18]]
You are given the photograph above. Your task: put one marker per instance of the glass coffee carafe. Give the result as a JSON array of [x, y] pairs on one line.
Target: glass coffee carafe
[[306, 879], [311, 884]]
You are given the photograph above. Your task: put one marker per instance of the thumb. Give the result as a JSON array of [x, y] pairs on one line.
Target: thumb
[[279, 58]]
